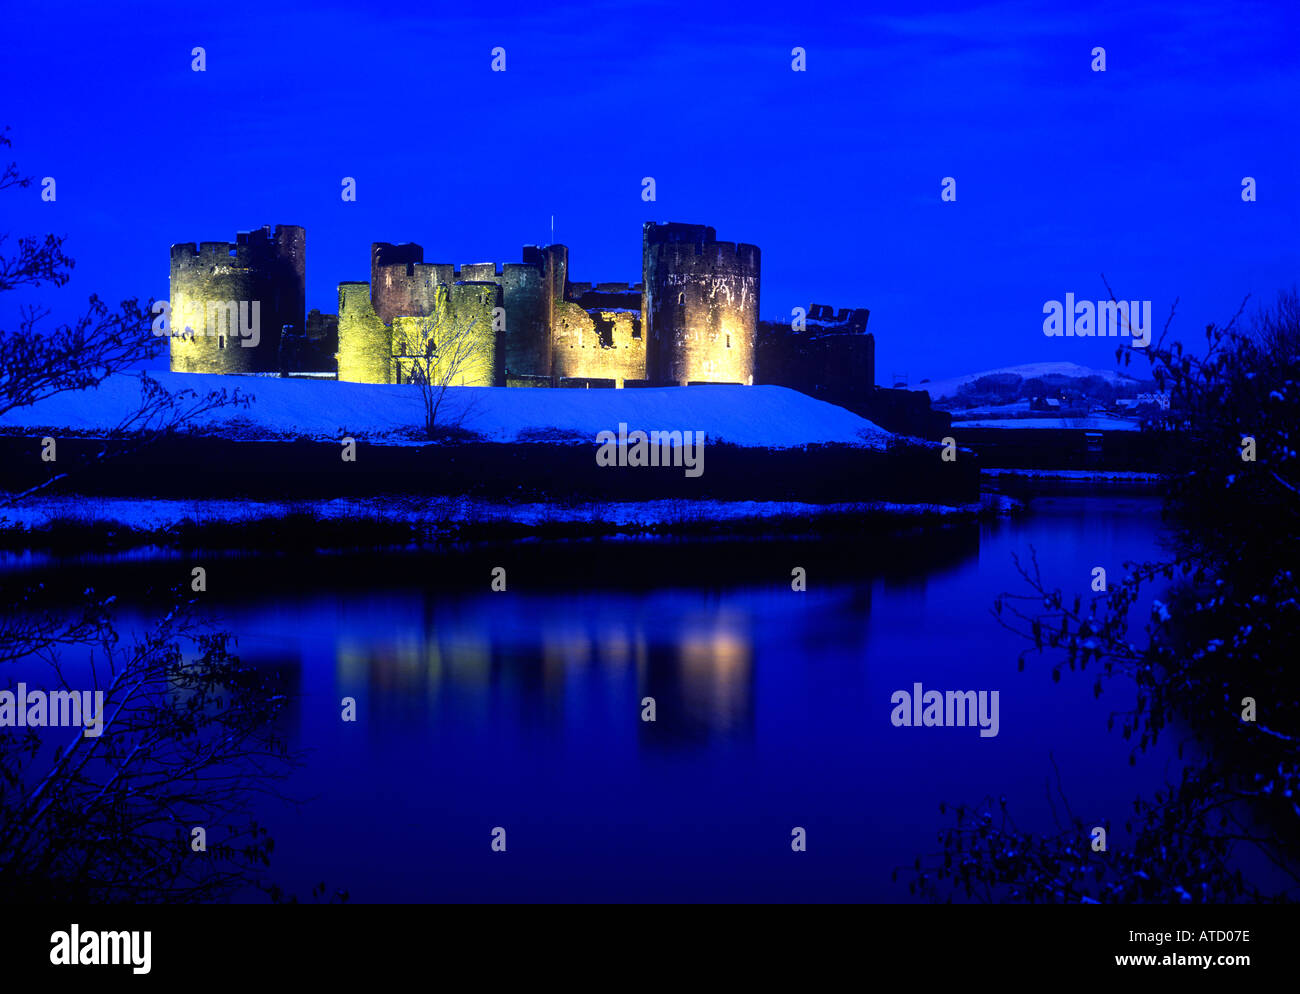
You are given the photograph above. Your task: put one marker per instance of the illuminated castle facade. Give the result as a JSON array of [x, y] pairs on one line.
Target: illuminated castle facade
[[264, 268], [694, 317]]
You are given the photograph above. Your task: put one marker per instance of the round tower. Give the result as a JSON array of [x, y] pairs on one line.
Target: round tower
[[230, 302], [208, 285], [700, 305]]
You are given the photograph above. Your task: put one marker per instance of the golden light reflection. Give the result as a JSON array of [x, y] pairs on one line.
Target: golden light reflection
[[715, 674], [700, 671]]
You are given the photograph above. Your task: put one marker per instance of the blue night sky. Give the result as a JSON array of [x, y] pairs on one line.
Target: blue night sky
[[1062, 173]]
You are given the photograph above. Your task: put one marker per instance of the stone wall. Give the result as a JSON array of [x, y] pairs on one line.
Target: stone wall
[[262, 274], [467, 348], [406, 286], [315, 349], [700, 305], [598, 344], [365, 343], [833, 356]]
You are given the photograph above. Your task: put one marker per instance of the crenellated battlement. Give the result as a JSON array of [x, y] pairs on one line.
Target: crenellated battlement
[[404, 285], [354, 296], [846, 319], [700, 302], [207, 254], [263, 274], [676, 232], [693, 317], [705, 255], [478, 271]]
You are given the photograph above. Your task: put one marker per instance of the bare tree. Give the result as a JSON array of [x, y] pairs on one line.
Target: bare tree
[[187, 732], [187, 740], [37, 362], [445, 353], [1221, 635]]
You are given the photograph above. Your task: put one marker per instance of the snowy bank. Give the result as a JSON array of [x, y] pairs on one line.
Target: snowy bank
[[89, 524], [762, 416]]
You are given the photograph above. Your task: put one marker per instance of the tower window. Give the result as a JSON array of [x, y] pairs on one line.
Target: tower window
[[681, 299], [728, 341]]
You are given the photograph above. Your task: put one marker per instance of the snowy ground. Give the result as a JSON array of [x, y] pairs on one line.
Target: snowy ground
[[159, 516], [761, 416], [1096, 423], [940, 389]]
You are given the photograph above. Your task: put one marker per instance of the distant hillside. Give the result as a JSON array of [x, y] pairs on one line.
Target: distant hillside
[[1069, 382]]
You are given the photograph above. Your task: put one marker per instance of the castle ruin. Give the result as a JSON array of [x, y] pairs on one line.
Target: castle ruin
[[259, 282], [694, 318]]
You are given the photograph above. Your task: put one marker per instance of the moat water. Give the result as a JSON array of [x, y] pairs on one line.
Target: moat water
[[523, 711]]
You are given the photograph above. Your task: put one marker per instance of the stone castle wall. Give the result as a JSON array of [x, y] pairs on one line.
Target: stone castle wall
[[692, 319], [832, 355], [403, 285], [700, 306], [262, 267], [598, 344], [365, 343], [456, 343]]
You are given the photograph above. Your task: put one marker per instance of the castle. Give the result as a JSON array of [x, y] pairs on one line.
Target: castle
[[263, 268], [693, 318]]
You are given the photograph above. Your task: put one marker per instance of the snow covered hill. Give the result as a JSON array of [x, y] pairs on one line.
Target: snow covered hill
[[760, 416], [949, 388]]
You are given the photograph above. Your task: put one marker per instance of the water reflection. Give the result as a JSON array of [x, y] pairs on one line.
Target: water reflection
[[463, 657], [524, 709]]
